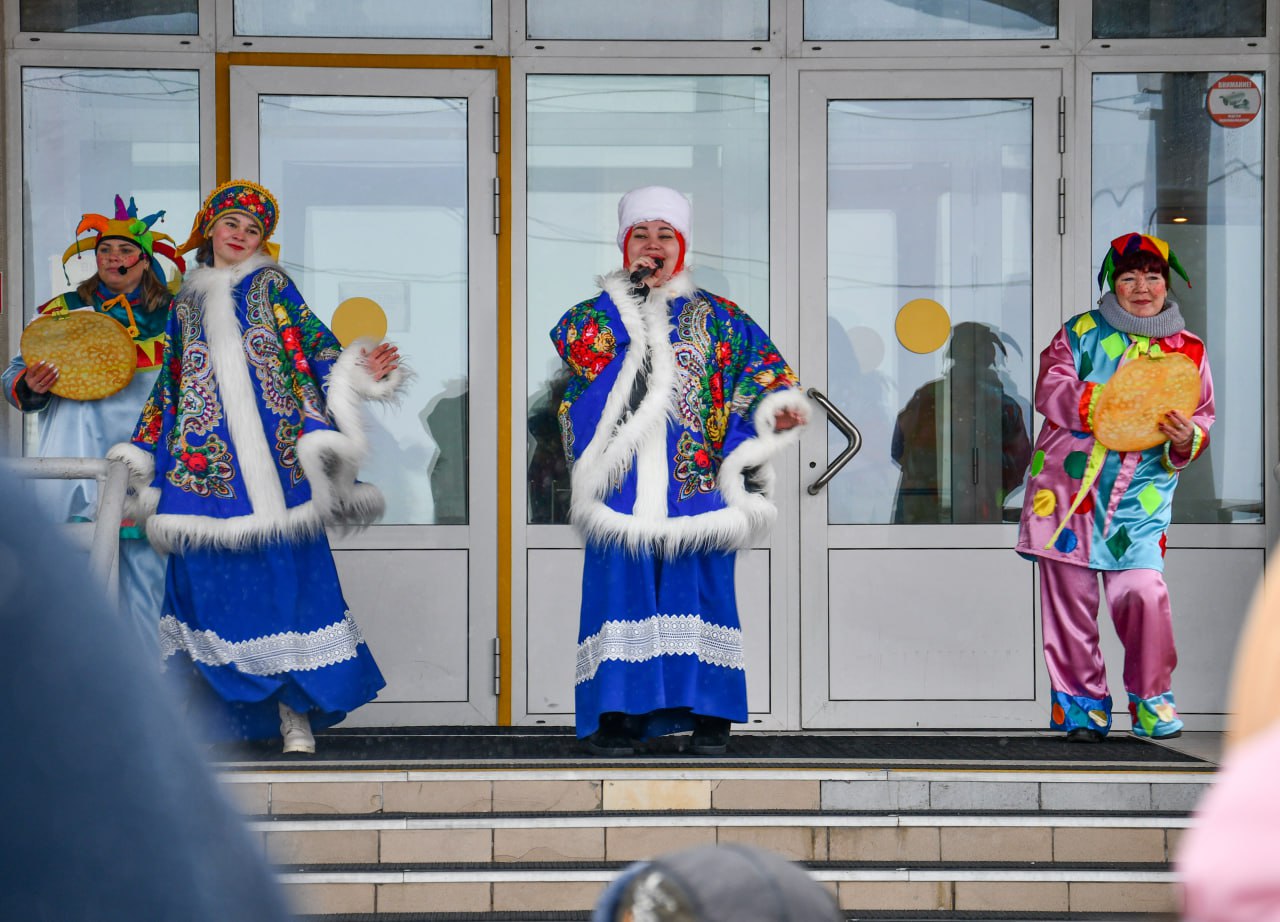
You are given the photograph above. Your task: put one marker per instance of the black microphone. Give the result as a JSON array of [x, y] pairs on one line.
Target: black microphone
[[645, 271]]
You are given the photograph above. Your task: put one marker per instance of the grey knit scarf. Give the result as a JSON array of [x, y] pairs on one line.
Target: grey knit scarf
[[1165, 323]]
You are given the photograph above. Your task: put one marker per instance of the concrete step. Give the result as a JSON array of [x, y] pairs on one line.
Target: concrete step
[[886, 841], [275, 793]]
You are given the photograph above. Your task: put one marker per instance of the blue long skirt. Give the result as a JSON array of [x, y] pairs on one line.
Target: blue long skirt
[[659, 639], [244, 630]]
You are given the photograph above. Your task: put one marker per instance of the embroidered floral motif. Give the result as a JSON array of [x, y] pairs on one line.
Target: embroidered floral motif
[[287, 449], [695, 468], [204, 470], [298, 339], [198, 409], [566, 431], [585, 341], [289, 651], [660, 635]]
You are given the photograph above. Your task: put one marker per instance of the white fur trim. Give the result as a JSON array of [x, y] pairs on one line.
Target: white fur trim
[[141, 499], [642, 439], [330, 459]]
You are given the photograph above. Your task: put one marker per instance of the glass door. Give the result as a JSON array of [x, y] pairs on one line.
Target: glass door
[[930, 278], [385, 182]]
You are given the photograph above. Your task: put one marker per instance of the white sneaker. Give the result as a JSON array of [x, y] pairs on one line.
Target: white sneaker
[[295, 728]]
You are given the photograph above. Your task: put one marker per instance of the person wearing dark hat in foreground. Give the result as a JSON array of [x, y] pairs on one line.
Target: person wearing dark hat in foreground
[[109, 810], [716, 883]]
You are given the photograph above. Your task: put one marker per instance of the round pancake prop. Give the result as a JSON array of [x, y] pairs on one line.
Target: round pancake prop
[[93, 353], [355, 318], [1139, 395]]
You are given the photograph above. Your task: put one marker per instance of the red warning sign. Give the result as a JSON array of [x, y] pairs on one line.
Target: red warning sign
[[1234, 101]]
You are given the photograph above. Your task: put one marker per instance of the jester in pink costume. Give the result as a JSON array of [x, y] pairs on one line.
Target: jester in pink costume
[[1091, 511]]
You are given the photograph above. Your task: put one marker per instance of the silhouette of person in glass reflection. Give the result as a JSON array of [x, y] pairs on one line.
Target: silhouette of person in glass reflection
[[961, 441], [548, 468], [446, 419]]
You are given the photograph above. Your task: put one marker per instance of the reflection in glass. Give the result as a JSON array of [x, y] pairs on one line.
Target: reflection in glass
[[1162, 166], [89, 134], [930, 199], [373, 203], [590, 139], [662, 20], [150, 17], [904, 20], [961, 441], [1178, 19], [365, 19]]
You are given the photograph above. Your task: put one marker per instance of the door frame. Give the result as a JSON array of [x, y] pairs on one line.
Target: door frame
[[1046, 85], [477, 538]]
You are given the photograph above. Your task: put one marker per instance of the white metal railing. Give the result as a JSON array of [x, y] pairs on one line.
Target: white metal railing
[[113, 481]]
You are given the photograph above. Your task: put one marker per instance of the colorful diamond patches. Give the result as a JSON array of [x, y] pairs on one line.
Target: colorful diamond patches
[[1118, 543], [1156, 717], [1073, 712], [1075, 464], [1151, 498], [1115, 344], [1084, 324]]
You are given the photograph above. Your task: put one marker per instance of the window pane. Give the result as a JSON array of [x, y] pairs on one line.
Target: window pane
[[364, 18], [591, 138], [90, 134], [902, 20], [373, 204], [151, 17], [1162, 166], [665, 20], [1178, 19], [929, 211]]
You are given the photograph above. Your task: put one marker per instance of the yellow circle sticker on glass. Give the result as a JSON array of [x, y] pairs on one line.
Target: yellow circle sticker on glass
[[359, 318], [923, 325]]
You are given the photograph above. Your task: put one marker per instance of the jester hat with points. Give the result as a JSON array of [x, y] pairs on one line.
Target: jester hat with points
[[126, 225], [1133, 243]]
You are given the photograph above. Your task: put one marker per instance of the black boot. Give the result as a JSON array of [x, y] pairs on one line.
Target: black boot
[[610, 738], [710, 735]]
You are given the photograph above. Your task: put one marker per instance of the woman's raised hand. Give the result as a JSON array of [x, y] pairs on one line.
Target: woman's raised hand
[[382, 360]]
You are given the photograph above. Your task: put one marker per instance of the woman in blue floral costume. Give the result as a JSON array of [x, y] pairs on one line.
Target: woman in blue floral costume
[[246, 449], [676, 403]]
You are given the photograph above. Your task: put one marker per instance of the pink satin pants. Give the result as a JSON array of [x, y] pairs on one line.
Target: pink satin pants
[[1139, 604]]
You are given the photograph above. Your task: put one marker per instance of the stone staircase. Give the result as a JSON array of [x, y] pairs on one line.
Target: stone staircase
[[892, 843]]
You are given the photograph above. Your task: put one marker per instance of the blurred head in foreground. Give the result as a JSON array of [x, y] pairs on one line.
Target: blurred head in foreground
[[716, 883]]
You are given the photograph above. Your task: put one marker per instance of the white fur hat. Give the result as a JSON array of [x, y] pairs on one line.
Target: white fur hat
[[654, 203]]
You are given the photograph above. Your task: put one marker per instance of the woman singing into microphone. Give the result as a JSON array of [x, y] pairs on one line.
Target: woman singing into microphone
[[676, 403]]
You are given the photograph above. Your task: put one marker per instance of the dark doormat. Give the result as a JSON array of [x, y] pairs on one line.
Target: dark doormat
[[526, 747]]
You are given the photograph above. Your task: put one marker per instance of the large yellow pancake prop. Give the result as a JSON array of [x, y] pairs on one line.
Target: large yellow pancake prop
[[93, 353], [1139, 395], [357, 318], [922, 326]]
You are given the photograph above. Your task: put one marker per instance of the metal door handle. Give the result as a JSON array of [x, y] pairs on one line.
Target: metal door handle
[[841, 422]]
